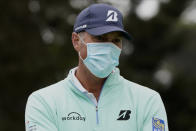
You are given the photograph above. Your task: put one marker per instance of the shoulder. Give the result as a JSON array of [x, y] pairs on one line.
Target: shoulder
[[49, 95], [50, 91], [139, 92], [142, 96], [137, 88]]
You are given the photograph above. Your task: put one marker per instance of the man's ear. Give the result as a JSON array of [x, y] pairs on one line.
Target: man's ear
[[76, 41]]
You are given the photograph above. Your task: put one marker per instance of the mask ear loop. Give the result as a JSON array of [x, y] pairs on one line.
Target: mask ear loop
[[81, 57], [81, 40], [82, 43]]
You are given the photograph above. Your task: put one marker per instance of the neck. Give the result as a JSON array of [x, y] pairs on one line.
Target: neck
[[90, 82]]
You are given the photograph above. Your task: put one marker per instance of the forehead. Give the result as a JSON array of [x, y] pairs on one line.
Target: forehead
[[112, 34]]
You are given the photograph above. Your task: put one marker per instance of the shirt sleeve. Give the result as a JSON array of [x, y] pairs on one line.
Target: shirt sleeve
[[38, 115], [155, 118]]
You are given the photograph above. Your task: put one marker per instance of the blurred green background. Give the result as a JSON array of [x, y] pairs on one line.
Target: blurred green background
[[36, 51]]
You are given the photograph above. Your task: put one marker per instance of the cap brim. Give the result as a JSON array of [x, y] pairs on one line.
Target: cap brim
[[107, 29]]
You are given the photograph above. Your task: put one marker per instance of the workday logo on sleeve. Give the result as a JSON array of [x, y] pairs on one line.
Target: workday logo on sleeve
[[31, 126]]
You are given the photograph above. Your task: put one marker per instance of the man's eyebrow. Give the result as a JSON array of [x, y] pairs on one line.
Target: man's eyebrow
[[105, 36], [99, 37]]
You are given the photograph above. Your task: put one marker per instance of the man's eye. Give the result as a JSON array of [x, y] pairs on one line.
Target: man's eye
[[100, 38], [117, 40]]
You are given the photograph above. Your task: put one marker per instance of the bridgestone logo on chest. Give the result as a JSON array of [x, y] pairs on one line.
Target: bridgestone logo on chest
[[74, 116], [124, 115]]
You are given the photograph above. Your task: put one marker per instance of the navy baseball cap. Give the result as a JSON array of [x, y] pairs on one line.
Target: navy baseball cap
[[99, 19]]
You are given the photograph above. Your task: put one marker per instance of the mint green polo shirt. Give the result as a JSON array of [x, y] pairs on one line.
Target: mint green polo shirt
[[122, 106]]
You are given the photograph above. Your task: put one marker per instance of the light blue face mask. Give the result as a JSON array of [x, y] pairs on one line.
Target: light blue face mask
[[102, 58]]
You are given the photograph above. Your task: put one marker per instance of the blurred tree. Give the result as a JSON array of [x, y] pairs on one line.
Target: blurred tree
[[165, 43], [36, 51]]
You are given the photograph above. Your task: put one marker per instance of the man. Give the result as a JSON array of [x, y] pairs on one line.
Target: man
[[94, 97]]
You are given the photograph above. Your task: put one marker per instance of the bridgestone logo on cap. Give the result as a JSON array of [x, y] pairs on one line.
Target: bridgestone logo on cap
[[112, 16], [80, 27]]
